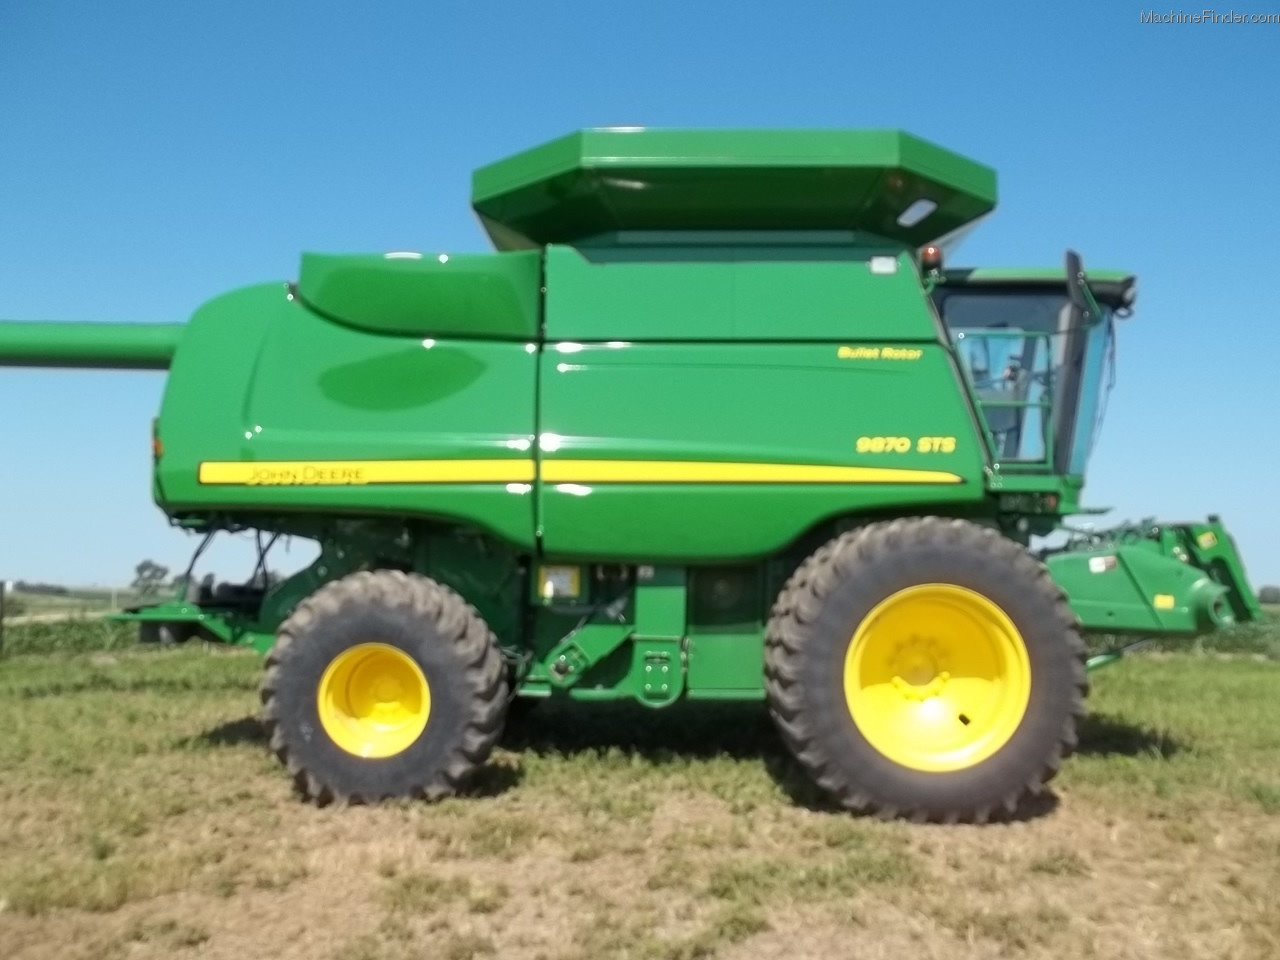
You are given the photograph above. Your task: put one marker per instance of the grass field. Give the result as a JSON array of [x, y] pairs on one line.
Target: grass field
[[76, 603], [140, 816]]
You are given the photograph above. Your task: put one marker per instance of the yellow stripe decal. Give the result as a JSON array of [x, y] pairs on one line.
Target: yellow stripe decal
[[678, 471], [362, 472], [330, 473]]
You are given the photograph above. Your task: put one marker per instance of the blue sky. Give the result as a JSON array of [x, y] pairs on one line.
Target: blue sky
[[157, 154]]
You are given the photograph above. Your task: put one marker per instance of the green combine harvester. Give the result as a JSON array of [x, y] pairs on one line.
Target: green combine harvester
[[713, 422]]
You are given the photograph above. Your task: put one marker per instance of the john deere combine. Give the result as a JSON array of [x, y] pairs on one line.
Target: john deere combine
[[712, 422]]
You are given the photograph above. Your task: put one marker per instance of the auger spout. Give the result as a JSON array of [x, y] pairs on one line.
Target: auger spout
[[107, 346]]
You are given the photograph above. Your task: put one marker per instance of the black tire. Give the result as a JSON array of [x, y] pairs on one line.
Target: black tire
[[818, 613], [450, 644]]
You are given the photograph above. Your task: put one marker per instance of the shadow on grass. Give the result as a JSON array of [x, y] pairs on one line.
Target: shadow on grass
[[684, 732], [1105, 736], [247, 731], [690, 732], [491, 780]]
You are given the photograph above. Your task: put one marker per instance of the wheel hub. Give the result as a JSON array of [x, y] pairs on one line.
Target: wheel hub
[[937, 678], [919, 667], [374, 700], [386, 690], [918, 690]]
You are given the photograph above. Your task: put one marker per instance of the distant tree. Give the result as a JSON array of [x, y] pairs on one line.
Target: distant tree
[[1269, 594], [149, 576]]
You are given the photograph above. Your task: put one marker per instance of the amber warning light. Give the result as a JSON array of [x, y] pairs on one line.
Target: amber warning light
[[931, 258]]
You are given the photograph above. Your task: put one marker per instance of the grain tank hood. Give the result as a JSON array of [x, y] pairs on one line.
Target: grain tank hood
[[487, 296], [603, 181]]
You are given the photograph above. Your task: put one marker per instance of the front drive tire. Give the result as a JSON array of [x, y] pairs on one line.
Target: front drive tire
[[383, 685], [926, 668]]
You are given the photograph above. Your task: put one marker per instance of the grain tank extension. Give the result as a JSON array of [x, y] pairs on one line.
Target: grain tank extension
[[712, 421]]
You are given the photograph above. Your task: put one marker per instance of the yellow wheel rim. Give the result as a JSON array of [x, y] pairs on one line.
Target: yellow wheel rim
[[374, 700], [937, 678]]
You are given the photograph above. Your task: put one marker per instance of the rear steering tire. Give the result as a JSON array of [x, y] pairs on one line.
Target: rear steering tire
[[926, 668], [383, 685]]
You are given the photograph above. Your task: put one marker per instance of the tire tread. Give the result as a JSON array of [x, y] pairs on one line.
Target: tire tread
[[455, 621], [851, 555]]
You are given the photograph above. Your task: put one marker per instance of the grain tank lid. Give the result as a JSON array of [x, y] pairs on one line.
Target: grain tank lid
[[600, 181], [412, 293]]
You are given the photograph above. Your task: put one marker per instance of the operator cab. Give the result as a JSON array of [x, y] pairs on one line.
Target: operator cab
[[1035, 348]]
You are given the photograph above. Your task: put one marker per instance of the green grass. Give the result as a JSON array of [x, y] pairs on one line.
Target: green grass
[[142, 816], [1259, 639], [73, 602], [25, 639]]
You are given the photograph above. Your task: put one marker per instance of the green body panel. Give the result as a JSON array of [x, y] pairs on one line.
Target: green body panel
[[722, 292], [472, 295], [109, 346], [319, 396], [493, 577], [726, 666], [670, 632], [728, 606], [714, 432], [599, 181]]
